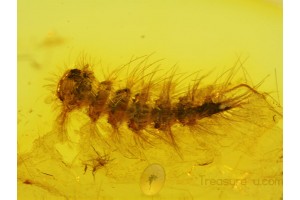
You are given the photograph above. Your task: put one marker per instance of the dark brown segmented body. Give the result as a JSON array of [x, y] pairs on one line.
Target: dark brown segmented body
[[80, 89]]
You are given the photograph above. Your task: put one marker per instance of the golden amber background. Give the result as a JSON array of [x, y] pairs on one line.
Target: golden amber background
[[195, 34]]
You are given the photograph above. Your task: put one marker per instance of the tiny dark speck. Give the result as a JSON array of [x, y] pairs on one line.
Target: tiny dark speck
[[27, 182]]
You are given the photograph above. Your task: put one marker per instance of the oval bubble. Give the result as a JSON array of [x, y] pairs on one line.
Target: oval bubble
[[152, 179]]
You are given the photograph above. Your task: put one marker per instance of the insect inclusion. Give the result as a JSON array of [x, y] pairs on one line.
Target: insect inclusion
[[151, 107]]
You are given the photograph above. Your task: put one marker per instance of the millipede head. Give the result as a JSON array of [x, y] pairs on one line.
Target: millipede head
[[76, 88]]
